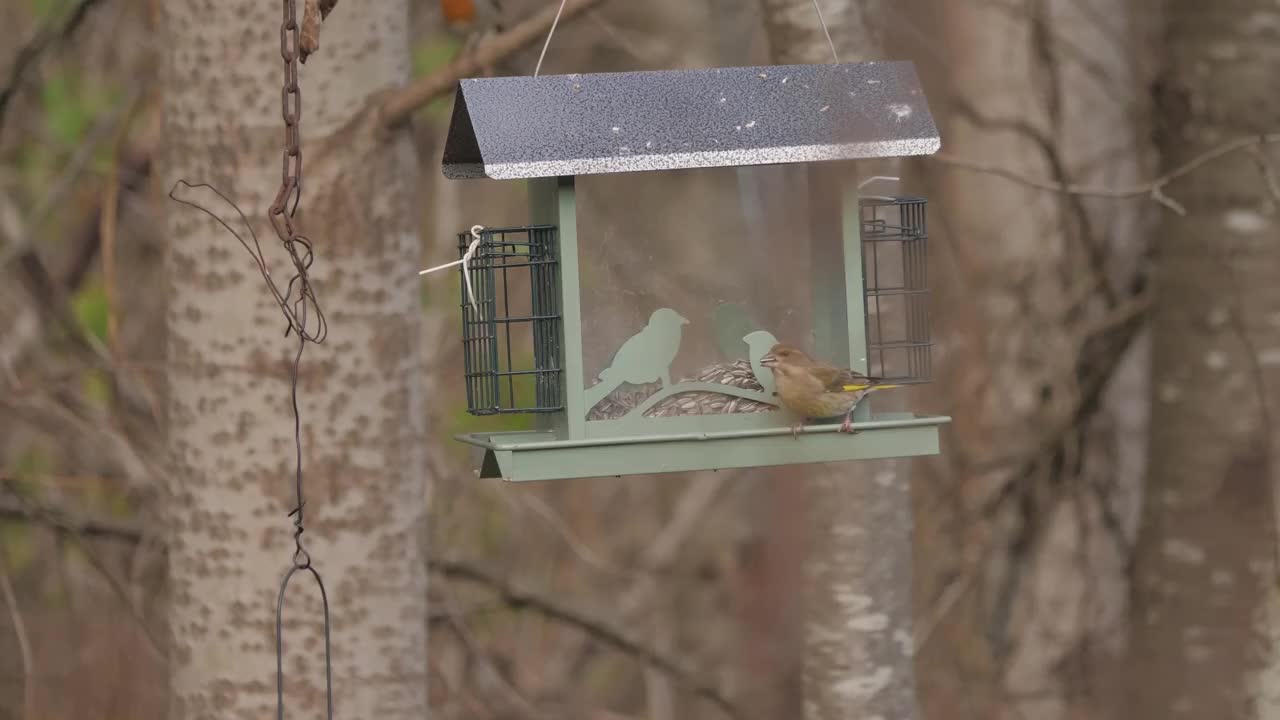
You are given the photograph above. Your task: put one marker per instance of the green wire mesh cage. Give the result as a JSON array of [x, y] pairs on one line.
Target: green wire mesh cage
[[896, 287], [517, 314]]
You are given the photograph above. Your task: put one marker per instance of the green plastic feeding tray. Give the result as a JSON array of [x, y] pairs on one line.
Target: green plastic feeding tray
[[660, 380]]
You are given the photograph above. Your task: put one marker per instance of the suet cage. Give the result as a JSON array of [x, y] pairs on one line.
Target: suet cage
[[503, 319], [896, 289], [636, 346]]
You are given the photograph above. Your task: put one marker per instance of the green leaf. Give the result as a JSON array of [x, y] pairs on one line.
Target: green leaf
[[91, 309], [48, 9], [71, 103], [117, 505], [32, 462], [96, 387], [66, 114], [436, 52], [16, 545]]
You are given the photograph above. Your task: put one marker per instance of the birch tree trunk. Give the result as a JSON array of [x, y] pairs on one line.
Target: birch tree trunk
[[1026, 524], [1206, 590], [361, 393], [857, 575]]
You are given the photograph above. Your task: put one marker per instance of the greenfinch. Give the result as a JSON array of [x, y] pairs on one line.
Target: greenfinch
[[813, 389]]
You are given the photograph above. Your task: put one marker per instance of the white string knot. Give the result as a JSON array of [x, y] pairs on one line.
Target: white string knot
[[465, 262]]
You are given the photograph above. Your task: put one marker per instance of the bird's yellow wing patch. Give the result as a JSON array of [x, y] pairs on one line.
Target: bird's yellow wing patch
[[864, 386]]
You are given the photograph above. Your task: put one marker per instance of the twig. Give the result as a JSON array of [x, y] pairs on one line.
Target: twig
[[81, 159], [400, 105], [76, 531], [659, 698], [576, 545], [136, 468], [34, 49], [1152, 188], [24, 647], [67, 523], [519, 599], [1236, 317], [107, 235], [664, 550], [616, 35], [1269, 174], [951, 594], [693, 505], [1120, 325], [153, 643], [472, 646], [78, 527]]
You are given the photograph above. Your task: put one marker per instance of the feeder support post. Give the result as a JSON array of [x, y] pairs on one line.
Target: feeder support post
[[553, 201], [839, 305]]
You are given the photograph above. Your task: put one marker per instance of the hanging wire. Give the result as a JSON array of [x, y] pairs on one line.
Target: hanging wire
[[296, 302], [556, 21], [817, 8], [547, 43]]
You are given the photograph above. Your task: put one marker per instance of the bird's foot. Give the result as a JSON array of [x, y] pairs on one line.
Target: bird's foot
[[795, 429], [847, 427]]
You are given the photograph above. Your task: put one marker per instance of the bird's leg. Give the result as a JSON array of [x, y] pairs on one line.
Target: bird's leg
[[847, 425], [795, 428]]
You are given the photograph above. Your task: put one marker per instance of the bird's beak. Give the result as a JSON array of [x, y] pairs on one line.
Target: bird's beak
[[768, 360]]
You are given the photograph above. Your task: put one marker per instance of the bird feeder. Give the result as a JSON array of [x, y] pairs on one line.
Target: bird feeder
[[637, 353]]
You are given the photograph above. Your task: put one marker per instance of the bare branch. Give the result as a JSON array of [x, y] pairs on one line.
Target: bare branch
[[25, 509], [107, 223], [24, 647], [1236, 318], [400, 105], [523, 600], [1152, 188], [472, 646], [951, 594], [78, 527], [576, 545], [36, 47], [1269, 174], [84, 526]]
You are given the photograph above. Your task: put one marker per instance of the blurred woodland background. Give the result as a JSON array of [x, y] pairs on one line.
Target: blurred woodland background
[[1096, 540]]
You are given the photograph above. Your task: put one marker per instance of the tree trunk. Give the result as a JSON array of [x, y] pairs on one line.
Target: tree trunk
[[857, 575], [1025, 525], [360, 394], [1206, 550]]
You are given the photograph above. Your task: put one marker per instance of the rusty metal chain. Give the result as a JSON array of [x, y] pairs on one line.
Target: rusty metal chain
[[290, 177]]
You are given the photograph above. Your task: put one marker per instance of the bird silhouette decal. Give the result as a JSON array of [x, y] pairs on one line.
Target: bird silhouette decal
[[644, 358], [729, 322], [758, 345]]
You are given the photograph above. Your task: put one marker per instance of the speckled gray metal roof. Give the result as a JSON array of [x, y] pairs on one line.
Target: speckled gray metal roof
[[525, 127]]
